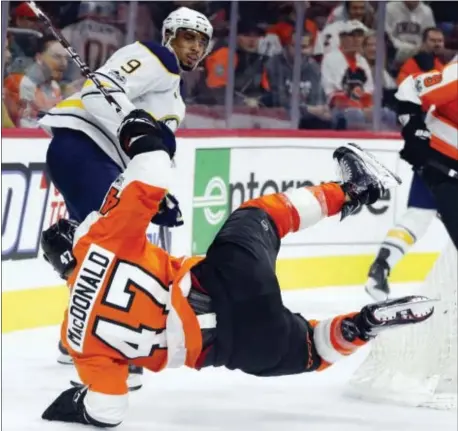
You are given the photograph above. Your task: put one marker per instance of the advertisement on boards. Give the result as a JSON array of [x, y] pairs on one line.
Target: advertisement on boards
[[30, 204], [226, 177]]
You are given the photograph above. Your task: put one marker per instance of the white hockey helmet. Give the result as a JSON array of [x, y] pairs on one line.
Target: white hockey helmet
[[185, 18]]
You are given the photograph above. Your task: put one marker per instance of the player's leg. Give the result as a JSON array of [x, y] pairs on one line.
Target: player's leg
[[445, 191], [421, 210], [255, 332], [80, 170]]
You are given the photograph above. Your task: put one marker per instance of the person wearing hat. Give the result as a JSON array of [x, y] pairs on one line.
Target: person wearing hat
[[347, 78], [25, 18]]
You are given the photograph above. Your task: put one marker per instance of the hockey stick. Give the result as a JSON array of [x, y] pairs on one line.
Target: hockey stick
[[88, 74]]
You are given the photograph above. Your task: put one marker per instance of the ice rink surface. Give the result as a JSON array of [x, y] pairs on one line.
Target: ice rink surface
[[214, 399]]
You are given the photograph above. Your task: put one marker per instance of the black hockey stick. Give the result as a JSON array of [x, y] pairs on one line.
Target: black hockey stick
[[88, 74]]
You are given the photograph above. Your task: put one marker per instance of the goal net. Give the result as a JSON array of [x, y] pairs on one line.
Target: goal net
[[417, 365]]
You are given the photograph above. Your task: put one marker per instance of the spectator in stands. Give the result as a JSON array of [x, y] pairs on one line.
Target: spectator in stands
[[427, 59], [6, 120], [249, 67], [285, 27], [25, 18], [329, 38], [369, 51], [389, 84], [353, 10], [145, 29], [405, 23], [26, 30], [315, 114], [30, 94], [347, 79]]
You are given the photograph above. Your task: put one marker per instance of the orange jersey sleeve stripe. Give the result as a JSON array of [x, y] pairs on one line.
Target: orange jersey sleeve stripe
[[440, 95], [444, 148]]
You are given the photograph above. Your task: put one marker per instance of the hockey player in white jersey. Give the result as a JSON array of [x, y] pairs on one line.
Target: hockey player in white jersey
[[94, 36], [85, 156]]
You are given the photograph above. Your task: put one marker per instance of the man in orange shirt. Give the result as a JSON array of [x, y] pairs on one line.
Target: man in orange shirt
[[132, 302], [427, 59]]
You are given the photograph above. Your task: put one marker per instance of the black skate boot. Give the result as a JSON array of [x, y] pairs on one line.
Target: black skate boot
[[377, 284], [375, 318], [364, 178]]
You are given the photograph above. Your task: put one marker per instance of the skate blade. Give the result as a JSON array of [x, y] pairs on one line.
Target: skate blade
[[65, 360], [411, 310], [387, 178]]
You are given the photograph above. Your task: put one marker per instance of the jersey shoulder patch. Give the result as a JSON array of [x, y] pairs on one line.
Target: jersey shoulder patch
[[166, 57]]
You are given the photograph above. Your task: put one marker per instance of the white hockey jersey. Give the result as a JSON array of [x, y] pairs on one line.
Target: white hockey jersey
[[141, 75], [95, 41], [437, 93]]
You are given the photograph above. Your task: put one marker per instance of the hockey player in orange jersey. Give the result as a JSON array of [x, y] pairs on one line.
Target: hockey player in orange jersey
[[431, 147], [131, 302]]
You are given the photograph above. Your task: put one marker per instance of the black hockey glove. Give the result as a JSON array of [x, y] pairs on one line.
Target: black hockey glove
[[417, 150], [169, 213], [140, 133], [57, 245], [69, 407]]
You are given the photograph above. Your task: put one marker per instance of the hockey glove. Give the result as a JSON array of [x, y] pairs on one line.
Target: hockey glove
[[417, 150], [169, 213], [139, 133]]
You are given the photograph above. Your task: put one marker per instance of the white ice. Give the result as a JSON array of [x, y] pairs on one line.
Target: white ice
[[214, 399]]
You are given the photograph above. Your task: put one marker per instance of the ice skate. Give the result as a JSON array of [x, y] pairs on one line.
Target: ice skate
[[64, 358], [375, 318], [377, 284], [364, 178]]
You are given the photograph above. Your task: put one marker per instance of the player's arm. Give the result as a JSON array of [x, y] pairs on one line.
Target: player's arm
[[138, 193], [130, 73], [416, 95]]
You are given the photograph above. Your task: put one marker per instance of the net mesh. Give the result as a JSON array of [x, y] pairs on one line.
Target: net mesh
[[417, 365]]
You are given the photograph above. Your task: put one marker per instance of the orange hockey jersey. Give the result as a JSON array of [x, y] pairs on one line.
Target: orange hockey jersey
[[128, 297], [437, 93]]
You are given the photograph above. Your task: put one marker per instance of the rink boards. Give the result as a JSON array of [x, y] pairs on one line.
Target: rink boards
[[214, 174]]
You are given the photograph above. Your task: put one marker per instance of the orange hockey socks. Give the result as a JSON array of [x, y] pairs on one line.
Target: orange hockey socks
[[329, 341], [300, 208]]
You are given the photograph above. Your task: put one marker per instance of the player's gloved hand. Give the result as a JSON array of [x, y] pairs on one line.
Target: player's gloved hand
[[139, 133], [169, 213], [417, 150]]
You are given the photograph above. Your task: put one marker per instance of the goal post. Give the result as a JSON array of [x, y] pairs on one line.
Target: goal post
[[417, 365]]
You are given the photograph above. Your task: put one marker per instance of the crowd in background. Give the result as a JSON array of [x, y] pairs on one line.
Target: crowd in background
[[337, 69]]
